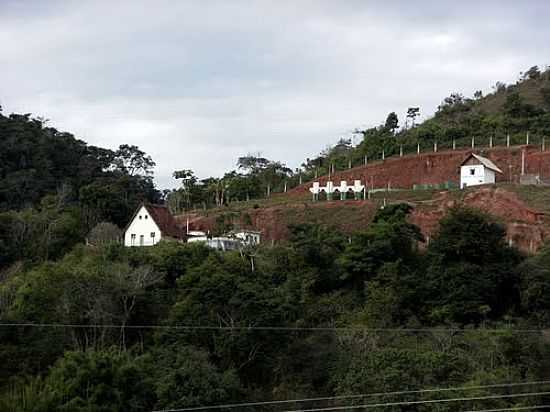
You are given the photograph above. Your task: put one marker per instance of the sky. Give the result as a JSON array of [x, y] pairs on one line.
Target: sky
[[196, 84]]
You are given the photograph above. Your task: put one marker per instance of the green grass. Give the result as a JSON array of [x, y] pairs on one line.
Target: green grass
[[537, 197]]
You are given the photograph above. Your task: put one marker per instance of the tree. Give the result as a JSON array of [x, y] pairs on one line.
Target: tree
[[532, 73], [471, 273], [104, 233], [107, 381], [535, 287], [412, 113], [389, 238], [319, 247], [545, 93], [392, 122], [188, 185], [186, 378], [133, 161]]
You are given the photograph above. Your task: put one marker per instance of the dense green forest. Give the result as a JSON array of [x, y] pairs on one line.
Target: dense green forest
[[100, 327], [318, 316]]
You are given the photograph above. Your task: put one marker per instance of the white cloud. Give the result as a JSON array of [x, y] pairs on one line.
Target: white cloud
[[197, 84]]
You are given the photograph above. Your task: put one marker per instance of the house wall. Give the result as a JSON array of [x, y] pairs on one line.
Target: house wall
[[142, 225], [474, 175]]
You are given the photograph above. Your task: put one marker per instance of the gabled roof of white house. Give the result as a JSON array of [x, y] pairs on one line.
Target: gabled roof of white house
[[484, 161], [163, 218]]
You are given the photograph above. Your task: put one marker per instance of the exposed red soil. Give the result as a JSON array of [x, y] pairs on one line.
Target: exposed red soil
[[526, 228], [432, 168]]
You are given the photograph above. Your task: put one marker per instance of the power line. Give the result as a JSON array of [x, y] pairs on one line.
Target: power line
[[271, 328], [378, 405], [516, 408], [345, 397]]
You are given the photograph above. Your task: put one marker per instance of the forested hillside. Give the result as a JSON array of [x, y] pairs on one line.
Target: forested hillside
[[55, 188], [375, 315], [322, 315]]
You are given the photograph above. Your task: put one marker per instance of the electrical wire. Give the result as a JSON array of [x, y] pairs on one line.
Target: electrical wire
[[347, 397], [430, 401], [271, 328], [516, 408]]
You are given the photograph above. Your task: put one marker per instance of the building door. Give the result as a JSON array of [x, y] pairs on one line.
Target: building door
[[141, 240]]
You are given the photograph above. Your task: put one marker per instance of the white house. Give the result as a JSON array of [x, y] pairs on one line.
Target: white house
[[477, 170], [150, 224]]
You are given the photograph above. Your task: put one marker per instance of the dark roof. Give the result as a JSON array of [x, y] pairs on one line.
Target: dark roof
[[164, 220]]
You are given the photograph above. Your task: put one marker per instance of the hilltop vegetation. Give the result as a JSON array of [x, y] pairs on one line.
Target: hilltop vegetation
[[510, 110]]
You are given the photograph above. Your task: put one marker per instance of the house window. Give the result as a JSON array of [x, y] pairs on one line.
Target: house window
[[140, 217], [146, 216], [132, 239], [472, 172], [141, 240]]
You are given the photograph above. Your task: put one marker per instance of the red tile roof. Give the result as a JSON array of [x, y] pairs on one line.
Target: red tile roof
[[165, 221]]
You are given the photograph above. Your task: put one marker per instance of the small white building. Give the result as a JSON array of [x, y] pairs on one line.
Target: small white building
[[150, 224], [248, 237], [230, 241], [477, 170], [222, 243]]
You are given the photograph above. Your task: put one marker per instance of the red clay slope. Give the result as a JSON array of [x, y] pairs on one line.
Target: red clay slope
[[526, 228], [432, 168]]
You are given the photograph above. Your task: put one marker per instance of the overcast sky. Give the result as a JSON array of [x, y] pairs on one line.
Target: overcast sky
[[198, 83]]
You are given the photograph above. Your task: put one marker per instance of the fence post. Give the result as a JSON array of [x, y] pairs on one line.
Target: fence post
[[366, 160], [401, 151], [473, 142], [508, 140], [454, 144], [435, 146], [383, 155], [418, 148], [527, 138], [490, 141], [543, 144]]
